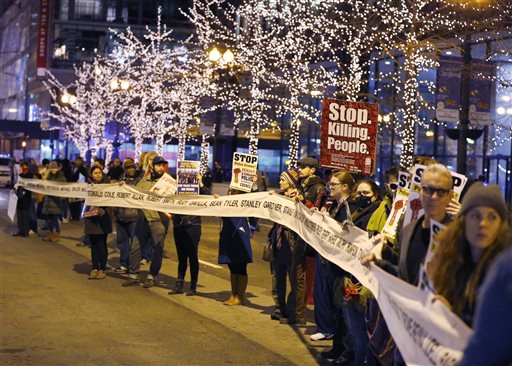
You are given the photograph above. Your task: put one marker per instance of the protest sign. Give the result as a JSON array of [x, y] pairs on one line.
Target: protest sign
[[244, 171], [424, 282], [165, 186], [187, 172], [348, 137], [397, 210], [404, 179]]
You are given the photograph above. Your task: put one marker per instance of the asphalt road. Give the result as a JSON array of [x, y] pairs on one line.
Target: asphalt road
[[52, 315]]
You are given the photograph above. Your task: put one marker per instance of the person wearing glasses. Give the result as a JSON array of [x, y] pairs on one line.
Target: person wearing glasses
[[411, 245]]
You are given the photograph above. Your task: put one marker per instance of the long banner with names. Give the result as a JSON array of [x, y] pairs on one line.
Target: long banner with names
[[426, 332], [52, 188]]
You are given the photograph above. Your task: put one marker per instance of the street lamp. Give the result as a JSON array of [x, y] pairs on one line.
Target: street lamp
[[67, 98], [115, 84], [215, 56]]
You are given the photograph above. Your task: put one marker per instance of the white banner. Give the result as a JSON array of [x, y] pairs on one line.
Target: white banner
[[51, 188], [426, 332]]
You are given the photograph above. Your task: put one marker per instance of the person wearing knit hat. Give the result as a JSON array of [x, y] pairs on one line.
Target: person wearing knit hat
[[468, 246], [487, 196], [291, 177], [286, 259]]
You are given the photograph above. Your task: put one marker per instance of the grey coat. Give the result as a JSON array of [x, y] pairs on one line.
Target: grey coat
[[51, 204]]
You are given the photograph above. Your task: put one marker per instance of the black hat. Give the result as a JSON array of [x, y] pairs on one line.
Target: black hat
[[308, 161], [487, 196], [128, 163], [159, 160]]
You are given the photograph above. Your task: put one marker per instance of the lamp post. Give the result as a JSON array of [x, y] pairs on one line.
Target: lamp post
[[462, 145]]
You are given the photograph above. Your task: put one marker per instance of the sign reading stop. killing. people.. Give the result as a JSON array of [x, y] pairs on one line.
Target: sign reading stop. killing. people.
[[349, 135]]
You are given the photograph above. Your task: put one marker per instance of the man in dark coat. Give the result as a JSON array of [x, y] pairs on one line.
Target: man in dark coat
[[23, 207]]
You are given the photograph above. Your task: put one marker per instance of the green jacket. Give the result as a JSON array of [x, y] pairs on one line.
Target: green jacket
[[145, 184], [379, 217]]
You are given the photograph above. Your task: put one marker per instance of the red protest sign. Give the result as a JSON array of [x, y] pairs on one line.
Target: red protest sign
[[348, 138]]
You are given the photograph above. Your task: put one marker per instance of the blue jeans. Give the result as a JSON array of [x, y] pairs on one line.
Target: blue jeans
[[125, 235], [146, 244], [52, 221], [157, 231], [356, 323], [323, 295]]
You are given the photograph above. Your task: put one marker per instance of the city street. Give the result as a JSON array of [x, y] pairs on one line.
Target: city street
[[52, 315]]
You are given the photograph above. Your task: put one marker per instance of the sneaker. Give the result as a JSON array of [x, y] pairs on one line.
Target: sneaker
[[321, 336], [65, 221], [93, 275], [131, 281], [121, 269], [192, 292], [150, 282], [144, 261]]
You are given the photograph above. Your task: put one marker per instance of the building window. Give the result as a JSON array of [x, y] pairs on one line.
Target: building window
[[88, 9]]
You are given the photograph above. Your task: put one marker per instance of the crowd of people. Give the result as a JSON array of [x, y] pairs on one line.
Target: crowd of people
[[470, 265]]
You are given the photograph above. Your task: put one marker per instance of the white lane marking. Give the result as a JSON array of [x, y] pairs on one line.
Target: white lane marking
[[209, 264]]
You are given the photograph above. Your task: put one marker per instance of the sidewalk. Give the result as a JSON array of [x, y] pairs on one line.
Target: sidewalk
[[251, 321]]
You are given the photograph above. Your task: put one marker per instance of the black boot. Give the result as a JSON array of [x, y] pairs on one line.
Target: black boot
[[193, 289], [178, 288]]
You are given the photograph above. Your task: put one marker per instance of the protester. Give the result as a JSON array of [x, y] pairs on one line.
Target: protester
[[97, 226], [467, 248], [146, 243], [187, 233], [286, 263], [341, 206], [126, 224], [218, 172], [491, 342], [355, 299], [207, 178], [408, 254], [156, 223], [68, 174], [235, 251], [380, 342], [52, 204], [405, 258], [25, 209], [379, 217], [116, 171], [312, 185]]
